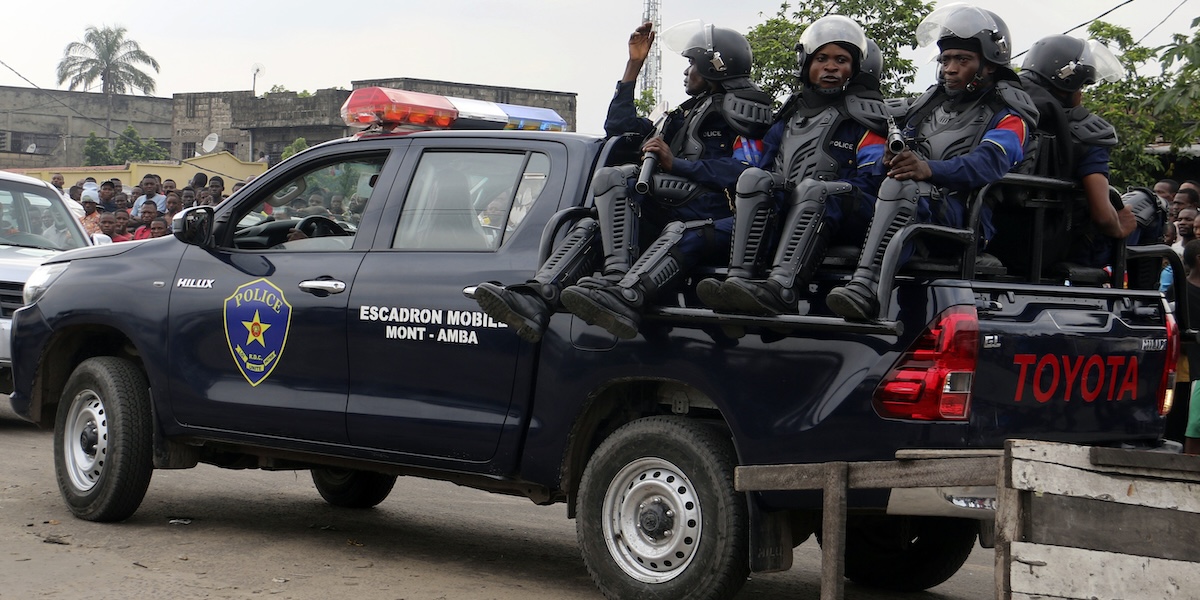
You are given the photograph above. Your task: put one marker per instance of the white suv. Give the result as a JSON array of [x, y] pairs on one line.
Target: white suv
[[35, 223]]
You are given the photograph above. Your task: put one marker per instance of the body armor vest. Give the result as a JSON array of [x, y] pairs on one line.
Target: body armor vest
[[804, 152], [944, 134], [686, 142]]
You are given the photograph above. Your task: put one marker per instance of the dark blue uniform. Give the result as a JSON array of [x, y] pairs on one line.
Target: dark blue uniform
[[721, 160]]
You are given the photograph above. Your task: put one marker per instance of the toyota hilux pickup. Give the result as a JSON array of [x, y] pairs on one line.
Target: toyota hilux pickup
[[262, 334]]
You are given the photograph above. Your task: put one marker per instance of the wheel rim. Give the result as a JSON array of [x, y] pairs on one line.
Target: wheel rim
[[652, 520], [85, 440]]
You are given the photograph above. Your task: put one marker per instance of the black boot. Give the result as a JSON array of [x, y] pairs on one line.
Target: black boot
[[858, 300], [527, 307], [806, 235], [618, 308], [754, 216], [518, 306]]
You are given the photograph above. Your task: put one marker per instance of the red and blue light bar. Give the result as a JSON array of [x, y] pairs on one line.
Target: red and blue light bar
[[392, 109]]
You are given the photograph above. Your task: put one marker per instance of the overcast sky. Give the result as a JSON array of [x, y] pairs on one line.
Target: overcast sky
[[561, 45]]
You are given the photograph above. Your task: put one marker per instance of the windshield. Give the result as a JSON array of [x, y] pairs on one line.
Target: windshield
[[33, 216]]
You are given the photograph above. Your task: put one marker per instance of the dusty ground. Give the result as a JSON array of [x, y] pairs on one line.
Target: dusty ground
[[212, 533]]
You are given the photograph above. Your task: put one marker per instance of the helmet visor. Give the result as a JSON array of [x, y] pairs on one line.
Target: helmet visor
[[1108, 67], [834, 28], [688, 35], [954, 20]]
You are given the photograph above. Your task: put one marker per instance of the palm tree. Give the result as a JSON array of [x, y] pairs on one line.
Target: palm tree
[[106, 55]]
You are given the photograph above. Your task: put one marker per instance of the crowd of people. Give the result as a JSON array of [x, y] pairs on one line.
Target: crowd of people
[[145, 211]]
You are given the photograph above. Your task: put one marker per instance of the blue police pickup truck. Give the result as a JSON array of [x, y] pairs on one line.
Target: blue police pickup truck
[[285, 329]]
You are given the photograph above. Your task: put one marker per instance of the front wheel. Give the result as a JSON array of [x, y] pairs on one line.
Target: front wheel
[[657, 515], [352, 489], [103, 439]]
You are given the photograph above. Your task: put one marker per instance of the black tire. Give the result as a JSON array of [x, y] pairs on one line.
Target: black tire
[[103, 440], [907, 554], [657, 516], [352, 489]]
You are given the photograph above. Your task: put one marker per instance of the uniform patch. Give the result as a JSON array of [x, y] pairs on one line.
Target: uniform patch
[[257, 318]]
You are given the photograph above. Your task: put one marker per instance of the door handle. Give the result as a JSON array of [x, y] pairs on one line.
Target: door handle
[[323, 286]]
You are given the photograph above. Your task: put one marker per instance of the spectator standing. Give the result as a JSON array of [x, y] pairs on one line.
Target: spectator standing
[[1166, 189], [147, 213], [57, 181], [91, 216], [107, 194], [158, 227], [216, 185], [174, 205], [150, 193], [120, 226]]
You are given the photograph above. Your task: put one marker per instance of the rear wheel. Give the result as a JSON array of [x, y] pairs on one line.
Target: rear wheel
[[103, 440], [907, 554], [657, 514], [352, 489]]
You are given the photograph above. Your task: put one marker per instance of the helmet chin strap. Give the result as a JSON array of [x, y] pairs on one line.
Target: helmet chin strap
[[975, 82]]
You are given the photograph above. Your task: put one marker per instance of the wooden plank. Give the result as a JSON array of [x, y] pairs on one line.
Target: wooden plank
[[1116, 457], [923, 453], [1080, 457], [1075, 573], [833, 526], [948, 472], [1067, 481], [1008, 520], [1111, 527]]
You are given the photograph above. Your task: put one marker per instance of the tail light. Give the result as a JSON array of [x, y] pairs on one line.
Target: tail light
[[1166, 390], [932, 380]]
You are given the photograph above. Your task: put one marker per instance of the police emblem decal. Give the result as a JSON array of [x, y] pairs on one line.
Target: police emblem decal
[[257, 319]]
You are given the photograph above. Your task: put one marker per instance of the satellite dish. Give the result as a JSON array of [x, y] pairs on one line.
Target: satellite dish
[[210, 142], [31, 149]]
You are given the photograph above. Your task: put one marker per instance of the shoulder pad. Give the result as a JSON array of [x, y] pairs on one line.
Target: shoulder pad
[[1090, 128], [748, 112], [897, 107], [916, 105], [1018, 100], [871, 113]]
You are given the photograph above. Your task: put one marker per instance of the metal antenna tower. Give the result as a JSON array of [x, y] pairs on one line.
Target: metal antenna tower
[[651, 76]]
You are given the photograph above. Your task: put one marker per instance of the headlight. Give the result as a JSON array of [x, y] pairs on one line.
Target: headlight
[[41, 280]]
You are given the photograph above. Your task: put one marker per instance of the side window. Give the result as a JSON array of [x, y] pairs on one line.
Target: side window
[[469, 201], [318, 209]]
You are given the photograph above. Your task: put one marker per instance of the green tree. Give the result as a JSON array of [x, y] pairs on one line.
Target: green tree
[[644, 104], [293, 148], [95, 151], [277, 89], [1181, 58], [132, 148], [106, 55], [1126, 104], [892, 25]]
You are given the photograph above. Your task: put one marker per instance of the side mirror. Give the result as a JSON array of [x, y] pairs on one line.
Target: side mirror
[[99, 239], [194, 226]]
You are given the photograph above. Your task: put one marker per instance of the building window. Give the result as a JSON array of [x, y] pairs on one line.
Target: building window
[[190, 107], [231, 147], [189, 150]]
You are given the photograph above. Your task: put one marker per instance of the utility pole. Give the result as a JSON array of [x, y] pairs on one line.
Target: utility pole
[[651, 76]]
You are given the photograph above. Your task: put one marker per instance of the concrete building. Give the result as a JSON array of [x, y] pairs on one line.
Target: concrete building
[[248, 126], [47, 128]]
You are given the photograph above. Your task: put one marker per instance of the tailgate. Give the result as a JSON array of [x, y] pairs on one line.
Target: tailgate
[[1082, 365]]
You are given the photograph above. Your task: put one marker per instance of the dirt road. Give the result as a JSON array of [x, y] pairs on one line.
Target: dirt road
[[213, 533]]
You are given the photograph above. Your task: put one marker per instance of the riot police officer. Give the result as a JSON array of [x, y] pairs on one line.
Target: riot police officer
[[701, 149], [825, 151], [1075, 142], [966, 131]]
